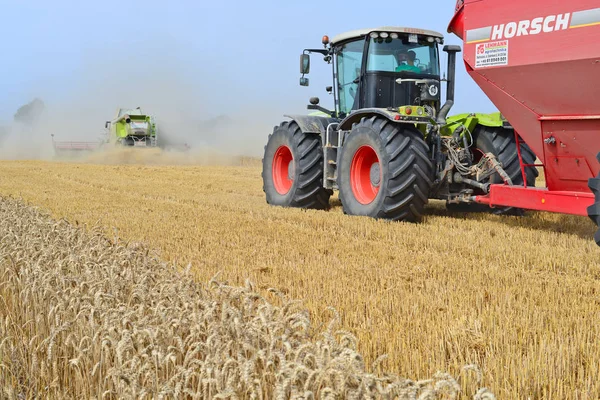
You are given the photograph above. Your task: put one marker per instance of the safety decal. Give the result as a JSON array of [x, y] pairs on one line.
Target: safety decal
[[491, 54]]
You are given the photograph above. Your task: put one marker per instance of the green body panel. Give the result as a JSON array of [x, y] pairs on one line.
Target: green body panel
[[121, 129], [470, 121]]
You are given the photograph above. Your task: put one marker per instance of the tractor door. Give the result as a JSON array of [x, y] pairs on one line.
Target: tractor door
[[349, 57]]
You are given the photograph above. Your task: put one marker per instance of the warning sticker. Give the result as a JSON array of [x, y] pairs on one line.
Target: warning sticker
[[491, 54]]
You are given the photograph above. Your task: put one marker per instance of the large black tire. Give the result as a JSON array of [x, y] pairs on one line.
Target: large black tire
[[594, 209], [304, 178], [502, 144], [397, 182]]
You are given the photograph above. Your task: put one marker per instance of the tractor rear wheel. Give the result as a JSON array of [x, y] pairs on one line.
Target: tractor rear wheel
[[384, 171], [594, 209], [502, 144], [293, 168]]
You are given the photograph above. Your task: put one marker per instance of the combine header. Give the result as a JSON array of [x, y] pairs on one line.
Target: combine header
[[539, 63], [69, 147]]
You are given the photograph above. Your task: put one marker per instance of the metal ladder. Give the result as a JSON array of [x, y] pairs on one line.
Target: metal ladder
[[153, 139], [333, 141]]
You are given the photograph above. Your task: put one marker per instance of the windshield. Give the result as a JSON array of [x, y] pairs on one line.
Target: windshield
[[399, 55], [139, 125]]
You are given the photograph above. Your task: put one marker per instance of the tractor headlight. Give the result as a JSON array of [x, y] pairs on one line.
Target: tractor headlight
[[433, 90]]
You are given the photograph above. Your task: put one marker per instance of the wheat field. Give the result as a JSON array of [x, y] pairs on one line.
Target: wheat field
[[87, 317], [516, 296]]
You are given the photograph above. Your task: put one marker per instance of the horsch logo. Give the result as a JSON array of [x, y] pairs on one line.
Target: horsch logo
[[551, 23]]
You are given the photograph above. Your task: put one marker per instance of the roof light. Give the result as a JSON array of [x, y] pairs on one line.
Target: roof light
[[397, 118], [408, 110], [430, 39], [394, 35], [438, 40], [384, 35], [325, 40], [374, 35]]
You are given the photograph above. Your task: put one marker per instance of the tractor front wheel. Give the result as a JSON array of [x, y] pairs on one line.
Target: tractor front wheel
[[293, 168], [384, 171], [594, 209]]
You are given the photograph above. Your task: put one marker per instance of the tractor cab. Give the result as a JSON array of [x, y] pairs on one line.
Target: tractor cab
[[388, 67]]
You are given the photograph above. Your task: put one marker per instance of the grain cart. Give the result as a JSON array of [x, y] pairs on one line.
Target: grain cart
[[388, 145], [539, 62]]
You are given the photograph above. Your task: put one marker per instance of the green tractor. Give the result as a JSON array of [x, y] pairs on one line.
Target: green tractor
[[388, 145], [132, 128]]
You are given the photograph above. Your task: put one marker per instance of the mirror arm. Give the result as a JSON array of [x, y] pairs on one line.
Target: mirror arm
[[320, 51], [322, 109]]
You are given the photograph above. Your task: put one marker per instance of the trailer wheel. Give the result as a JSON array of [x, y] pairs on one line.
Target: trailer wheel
[[293, 168], [384, 171], [501, 143], [594, 209]]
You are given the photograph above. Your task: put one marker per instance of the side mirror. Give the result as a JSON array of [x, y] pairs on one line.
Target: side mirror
[[303, 81], [304, 64], [106, 125], [329, 89]]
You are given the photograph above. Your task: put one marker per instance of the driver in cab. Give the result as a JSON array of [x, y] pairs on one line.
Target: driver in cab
[[406, 62]]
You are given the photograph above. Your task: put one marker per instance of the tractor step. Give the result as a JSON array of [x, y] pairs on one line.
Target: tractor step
[[332, 142], [330, 167]]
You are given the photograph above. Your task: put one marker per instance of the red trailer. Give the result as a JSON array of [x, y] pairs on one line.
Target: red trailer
[[539, 63]]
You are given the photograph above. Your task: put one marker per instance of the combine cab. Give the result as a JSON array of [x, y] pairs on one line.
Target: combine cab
[[539, 63]]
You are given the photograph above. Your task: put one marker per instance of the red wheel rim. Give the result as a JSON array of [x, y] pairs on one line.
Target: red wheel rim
[[283, 164], [365, 175]]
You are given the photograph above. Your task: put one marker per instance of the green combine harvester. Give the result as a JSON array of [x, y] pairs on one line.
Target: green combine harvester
[[129, 128], [132, 128]]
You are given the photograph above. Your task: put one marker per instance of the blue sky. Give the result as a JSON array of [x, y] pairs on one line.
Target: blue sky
[[203, 57]]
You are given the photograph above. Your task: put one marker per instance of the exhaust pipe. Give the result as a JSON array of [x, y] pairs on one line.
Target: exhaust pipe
[[450, 83]]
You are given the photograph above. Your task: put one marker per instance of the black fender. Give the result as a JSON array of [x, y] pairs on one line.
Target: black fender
[[356, 116], [313, 123]]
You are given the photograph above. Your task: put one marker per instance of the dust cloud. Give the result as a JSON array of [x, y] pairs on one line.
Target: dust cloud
[[188, 107]]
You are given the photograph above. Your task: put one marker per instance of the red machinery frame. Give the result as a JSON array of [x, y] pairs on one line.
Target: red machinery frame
[[542, 73], [537, 198]]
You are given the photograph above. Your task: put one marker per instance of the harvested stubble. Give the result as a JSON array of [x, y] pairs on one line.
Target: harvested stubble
[[516, 296], [88, 317]]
